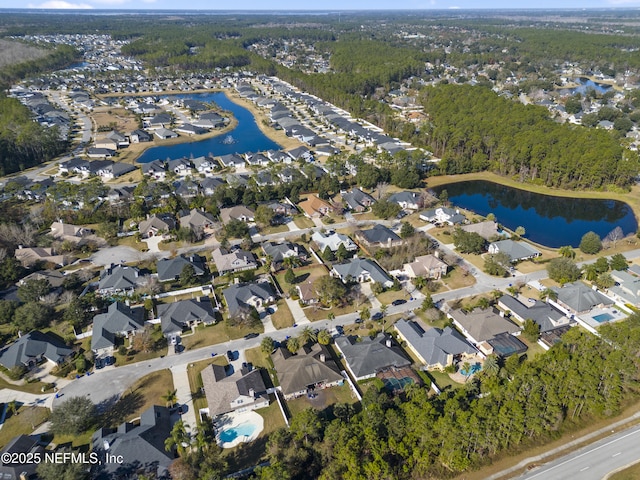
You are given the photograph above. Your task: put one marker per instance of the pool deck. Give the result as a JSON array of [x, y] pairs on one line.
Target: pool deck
[[613, 312], [235, 419]]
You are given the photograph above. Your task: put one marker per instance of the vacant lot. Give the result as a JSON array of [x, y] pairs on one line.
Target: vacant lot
[[112, 118], [18, 52]]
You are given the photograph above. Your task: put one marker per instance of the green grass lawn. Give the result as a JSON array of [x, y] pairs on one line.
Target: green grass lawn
[[303, 222], [219, 333], [315, 314], [282, 317], [195, 380], [443, 380], [25, 420], [303, 274], [389, 296], [333, 395], [274, 229], [456, 278]]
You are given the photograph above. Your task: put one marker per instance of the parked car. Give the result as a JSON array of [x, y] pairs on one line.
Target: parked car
[[400, 301], [377, 316], [358, 320], [251, 335], [230, 355]]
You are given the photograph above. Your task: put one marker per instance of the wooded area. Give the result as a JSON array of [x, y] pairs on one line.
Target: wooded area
[[474, 130]]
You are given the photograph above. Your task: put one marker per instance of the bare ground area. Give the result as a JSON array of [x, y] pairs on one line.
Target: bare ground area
[[12, 52], [118, 119]]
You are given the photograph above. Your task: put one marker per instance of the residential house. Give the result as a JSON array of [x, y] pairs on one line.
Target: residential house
[[443, 215], [406, 200], [210, 184], [314, 207], [517, 251], [434, 347], [187, 188], [156, 169], [487, 230], [198, 221], [119, 321], [239, 212], [140, 136], [577, 298], [165, 134], [180, 166], [379, 236], [232, 160], [21, 447], [257, 159], [106, 143], [626, 288], [121, 140], [242, 391], [204, 164], [160, 120], [189, 129], [365, 357], [118, 280], [243, 297], [426, 266], [94, 152], [66, 231], [170, 269], [54, 277], [333, 241], [547, 317], [301, 153], [29, 256], [141, 445], [33, 348], [74, 166], [233, 261], [310, 368], [280, 251], [357, 200], [361, 270], [177, 316], [157, 224], [283, 209], [481, 326]]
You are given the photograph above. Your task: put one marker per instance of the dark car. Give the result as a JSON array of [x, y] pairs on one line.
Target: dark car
[[358, 320], [99, 363], [400, 301], [251, 335], [180, 409], [377, 316], [230, 355]]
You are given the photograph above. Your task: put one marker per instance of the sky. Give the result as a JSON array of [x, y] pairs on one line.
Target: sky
[[317, 5]]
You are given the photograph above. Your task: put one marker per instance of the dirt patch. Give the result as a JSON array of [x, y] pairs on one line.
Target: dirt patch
[[110, 118]]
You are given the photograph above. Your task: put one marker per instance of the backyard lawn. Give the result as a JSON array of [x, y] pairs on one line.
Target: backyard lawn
[[325, 398]]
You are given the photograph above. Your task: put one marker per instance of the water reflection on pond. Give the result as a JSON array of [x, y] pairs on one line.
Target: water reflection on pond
[[548, 220]]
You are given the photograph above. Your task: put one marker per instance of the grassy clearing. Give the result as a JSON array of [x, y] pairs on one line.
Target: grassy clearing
[[389, 296], [258, 358], [303, 274], [25, 420], [274, 229], [219, 333], [282, 317], [443, 380], [315, 314], [457, 278]]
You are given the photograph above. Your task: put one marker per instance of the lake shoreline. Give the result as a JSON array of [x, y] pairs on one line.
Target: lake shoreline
[[632, 198]]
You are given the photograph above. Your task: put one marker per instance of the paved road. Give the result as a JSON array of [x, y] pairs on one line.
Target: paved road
[[593, 462]]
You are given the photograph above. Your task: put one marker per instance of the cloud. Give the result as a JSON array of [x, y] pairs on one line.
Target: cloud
[[61, 5]]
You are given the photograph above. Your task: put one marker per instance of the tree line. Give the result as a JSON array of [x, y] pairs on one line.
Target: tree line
[[474, 129]]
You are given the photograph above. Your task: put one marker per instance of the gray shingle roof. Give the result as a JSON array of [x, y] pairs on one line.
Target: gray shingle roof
[[119, 318], [515, 250], [118, 278], [221, 390], [30, 347], [297, 372], [580, 298], [174, 316], [379, 234], [171, 268], [434, 345], [540, 312], [366, 356], [483, 325], [141, 446], [237, 296], [358, 266]]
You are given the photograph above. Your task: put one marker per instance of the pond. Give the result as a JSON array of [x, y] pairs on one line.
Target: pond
[[548, 220], [246, 136], [586, 84]]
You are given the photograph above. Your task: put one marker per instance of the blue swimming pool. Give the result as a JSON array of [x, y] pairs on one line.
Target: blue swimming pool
[[242, 430], [476, 367], [603, 317]]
